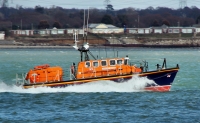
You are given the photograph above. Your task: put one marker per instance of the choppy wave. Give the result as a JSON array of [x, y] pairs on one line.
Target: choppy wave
[[136, 84]]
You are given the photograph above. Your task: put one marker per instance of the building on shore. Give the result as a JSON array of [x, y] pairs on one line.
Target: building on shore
[[104, 28], [2, 35], [101, 28]]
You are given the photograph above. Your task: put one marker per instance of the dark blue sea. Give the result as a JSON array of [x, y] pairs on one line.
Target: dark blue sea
[[104, 101]]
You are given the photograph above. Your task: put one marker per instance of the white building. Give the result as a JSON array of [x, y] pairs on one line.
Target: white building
[[104, 29], [2, 35]]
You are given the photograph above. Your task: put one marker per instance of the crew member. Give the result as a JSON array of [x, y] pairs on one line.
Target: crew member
[[158, 67], [73, 70]]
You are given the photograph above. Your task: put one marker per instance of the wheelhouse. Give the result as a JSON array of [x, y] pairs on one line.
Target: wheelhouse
[[104, 67]]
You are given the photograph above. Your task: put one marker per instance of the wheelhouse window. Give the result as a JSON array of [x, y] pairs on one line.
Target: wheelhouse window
[[112, 62], [95, 64], [103, 63], [119, 61], [87, 64]]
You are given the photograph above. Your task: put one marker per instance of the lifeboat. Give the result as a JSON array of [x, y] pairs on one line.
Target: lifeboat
[[89, 70]]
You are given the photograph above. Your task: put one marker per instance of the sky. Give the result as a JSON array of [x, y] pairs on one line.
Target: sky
[[100, 4]]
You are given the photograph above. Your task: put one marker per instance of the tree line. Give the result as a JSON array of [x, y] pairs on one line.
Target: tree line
[[47, 18]]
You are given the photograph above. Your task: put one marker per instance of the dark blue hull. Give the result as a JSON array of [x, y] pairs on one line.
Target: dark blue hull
[[164, 78], [161, 77]]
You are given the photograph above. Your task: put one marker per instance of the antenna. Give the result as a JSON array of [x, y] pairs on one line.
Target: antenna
[[87, 25], [88, 18], [182, 4], [84, 26]]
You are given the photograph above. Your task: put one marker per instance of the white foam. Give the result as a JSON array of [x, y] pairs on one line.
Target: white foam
[[136, 84]]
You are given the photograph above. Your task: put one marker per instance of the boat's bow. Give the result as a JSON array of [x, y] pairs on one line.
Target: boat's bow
[[163, 79]]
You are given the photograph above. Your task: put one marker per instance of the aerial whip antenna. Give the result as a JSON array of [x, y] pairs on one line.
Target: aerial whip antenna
[[87, 24], [84, 27]]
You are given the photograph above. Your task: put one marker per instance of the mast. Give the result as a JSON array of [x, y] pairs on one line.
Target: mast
[[84, 50], [84, 27], [87, 25]]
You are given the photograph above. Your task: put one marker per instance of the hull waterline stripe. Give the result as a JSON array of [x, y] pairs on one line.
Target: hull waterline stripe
[[95, 79]]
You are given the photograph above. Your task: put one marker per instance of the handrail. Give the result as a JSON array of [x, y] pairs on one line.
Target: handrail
[[20, 80], [57, 75]]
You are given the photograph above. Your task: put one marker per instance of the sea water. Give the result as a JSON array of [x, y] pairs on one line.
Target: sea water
[[103, 101]]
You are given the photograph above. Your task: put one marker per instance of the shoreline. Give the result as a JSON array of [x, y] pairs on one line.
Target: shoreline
[[33, 47], [103, 46]]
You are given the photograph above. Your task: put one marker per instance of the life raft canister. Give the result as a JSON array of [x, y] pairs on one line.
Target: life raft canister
[[47, 74]]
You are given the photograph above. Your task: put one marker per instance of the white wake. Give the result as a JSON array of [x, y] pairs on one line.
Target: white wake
[[136, 84]]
